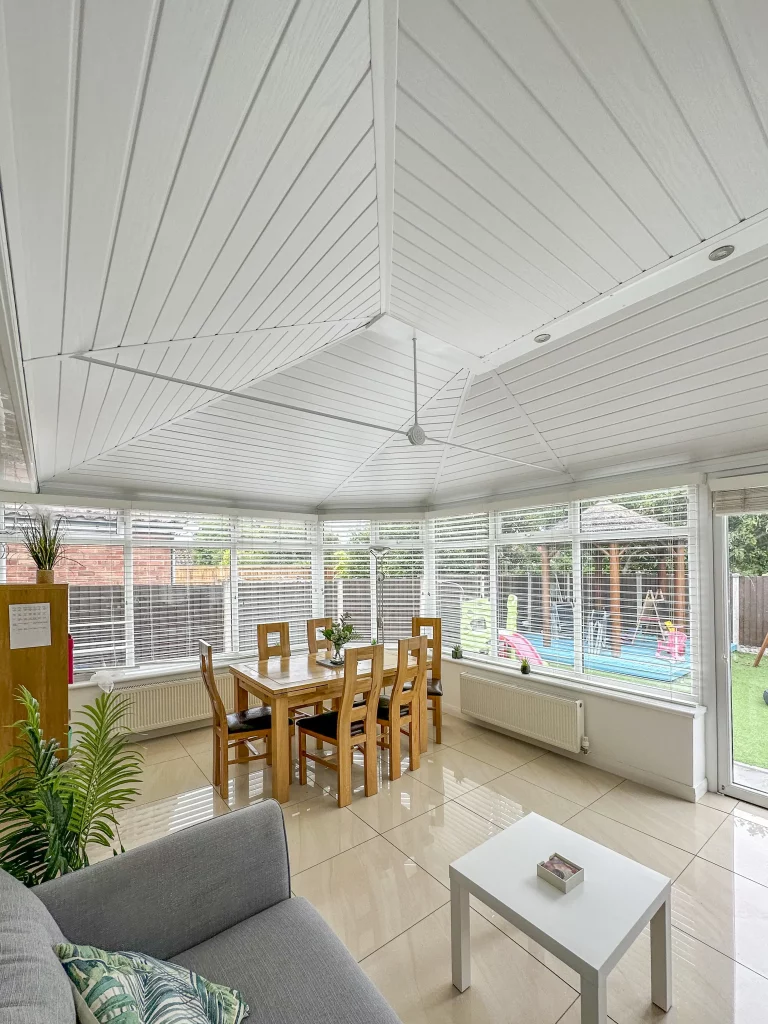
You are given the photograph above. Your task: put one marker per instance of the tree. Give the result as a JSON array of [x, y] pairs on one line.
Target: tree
[[748, 544]]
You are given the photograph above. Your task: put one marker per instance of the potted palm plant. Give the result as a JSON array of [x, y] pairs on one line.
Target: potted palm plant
[[51, 808], [43, 539]]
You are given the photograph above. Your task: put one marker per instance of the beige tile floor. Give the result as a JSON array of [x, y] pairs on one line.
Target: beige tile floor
[[378, 872]]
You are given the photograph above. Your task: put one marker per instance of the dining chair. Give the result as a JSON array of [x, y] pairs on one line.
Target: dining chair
[[282, 649], [434, 634], [353, 725], [318, 643], [231, 730], [403, 705]]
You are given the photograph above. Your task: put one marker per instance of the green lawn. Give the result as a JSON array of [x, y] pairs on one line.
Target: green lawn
[[750, 712]]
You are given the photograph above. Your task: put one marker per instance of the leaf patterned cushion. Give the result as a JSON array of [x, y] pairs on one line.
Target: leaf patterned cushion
[[132, 988]]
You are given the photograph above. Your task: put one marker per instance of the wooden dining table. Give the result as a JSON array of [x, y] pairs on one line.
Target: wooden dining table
[[287, 683]]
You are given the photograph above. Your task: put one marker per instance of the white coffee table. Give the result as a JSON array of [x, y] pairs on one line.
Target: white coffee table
[[589, 928]]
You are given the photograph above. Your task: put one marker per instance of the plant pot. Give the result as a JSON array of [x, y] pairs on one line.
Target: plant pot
[[525, 670], [45, 575]]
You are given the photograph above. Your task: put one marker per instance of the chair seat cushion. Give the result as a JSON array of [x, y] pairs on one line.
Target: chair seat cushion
[[289, 966], [434, 687], [250, 720], [383, 711], [327, 724]]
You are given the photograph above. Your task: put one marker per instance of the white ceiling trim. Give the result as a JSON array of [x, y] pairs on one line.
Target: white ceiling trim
[[513, 401], [457, 415], [383, 19]]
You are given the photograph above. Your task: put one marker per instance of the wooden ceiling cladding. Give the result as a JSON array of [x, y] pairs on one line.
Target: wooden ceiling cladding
[[222, 191]]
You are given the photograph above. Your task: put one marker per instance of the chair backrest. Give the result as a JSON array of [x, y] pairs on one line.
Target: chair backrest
[[434, 635], [411, 668], [318, 643], [282, 649], [206, 671], [353, 677]]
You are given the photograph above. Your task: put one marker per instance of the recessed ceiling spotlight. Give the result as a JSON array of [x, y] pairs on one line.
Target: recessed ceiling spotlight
[[722, 252], [542, 337]]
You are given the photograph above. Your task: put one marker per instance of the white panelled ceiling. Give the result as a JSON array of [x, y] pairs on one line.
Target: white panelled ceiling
[[223, 219]]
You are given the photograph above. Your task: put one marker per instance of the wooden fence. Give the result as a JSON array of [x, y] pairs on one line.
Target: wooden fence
[[751, 616]]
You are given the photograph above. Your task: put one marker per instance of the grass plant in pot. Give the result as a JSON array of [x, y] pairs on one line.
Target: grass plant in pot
[[44, 540]]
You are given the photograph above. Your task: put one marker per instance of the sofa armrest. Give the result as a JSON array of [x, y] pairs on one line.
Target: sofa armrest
[[176, 892]]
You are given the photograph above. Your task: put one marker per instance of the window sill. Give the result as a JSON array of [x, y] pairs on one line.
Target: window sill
[[578, 686], [173, 670]]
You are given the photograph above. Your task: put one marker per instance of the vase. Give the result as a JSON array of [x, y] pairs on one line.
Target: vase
[[337, 658], [45, 575]]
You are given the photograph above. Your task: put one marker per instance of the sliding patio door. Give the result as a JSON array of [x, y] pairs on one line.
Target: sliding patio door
[[741, 535]]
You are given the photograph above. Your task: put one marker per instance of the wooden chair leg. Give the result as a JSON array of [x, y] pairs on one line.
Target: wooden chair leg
[[302, 758], [437, 718], [370, 762], [319, 709], [224, 766], [395, 770], [216, 758], [414, 741], [345, 775], [269, 749]]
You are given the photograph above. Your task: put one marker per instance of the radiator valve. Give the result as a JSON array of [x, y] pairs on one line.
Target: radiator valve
[[585, 744]]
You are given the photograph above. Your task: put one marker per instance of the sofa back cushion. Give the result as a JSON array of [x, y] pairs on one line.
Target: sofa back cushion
[[34, 988]]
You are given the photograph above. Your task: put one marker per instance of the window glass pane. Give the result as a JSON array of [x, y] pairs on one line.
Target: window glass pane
[[402, 532], [347, 532], [273, 586], [463, 586], [534, 520], [636, 613], [636, 513], [180, 596], [402, 584], [535, 605], [348, 586], [461, 529]]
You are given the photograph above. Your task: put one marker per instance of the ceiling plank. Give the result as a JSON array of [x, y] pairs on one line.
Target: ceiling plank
[[383, 19]]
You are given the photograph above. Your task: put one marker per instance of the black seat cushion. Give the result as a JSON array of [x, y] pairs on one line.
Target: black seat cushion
[[250, 720], [327, 724], [434, 687], [383, 710]]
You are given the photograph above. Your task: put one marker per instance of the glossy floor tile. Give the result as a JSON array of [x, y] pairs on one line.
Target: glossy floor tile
[[395, 803], [719, 801], [573, 1014], [725, 911], [143, 823], [370, 894], [414, 973], [441, 836], [318, 829], [169, 778], [452, 773], [664, 817], [574, 780], [666, 859], [741, 845], [500, 751], [457, 729], [164, 748], [505, 800], [707, 987]]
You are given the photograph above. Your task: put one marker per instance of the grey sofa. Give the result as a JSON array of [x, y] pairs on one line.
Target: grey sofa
[[215, 897]]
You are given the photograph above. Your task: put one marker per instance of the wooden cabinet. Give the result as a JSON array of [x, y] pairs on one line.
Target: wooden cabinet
[[44, 670]]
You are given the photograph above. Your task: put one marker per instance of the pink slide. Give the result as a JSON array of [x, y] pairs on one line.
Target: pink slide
[[522, 647]]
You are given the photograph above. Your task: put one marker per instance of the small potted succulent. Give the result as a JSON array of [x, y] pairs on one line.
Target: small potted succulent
[[43, 539], [525, 667], [340, 633], [456, 651]]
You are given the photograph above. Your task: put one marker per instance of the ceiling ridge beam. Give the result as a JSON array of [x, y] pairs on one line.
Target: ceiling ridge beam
[[383, 21], [422, 408], [463, 398], [222, 392], [515, 403], [203, 337]]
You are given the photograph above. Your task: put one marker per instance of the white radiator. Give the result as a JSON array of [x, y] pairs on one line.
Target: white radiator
[[539, 716], [167, 702]]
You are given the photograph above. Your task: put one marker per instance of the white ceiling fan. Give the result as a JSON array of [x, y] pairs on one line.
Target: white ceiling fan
[[415, 434]]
